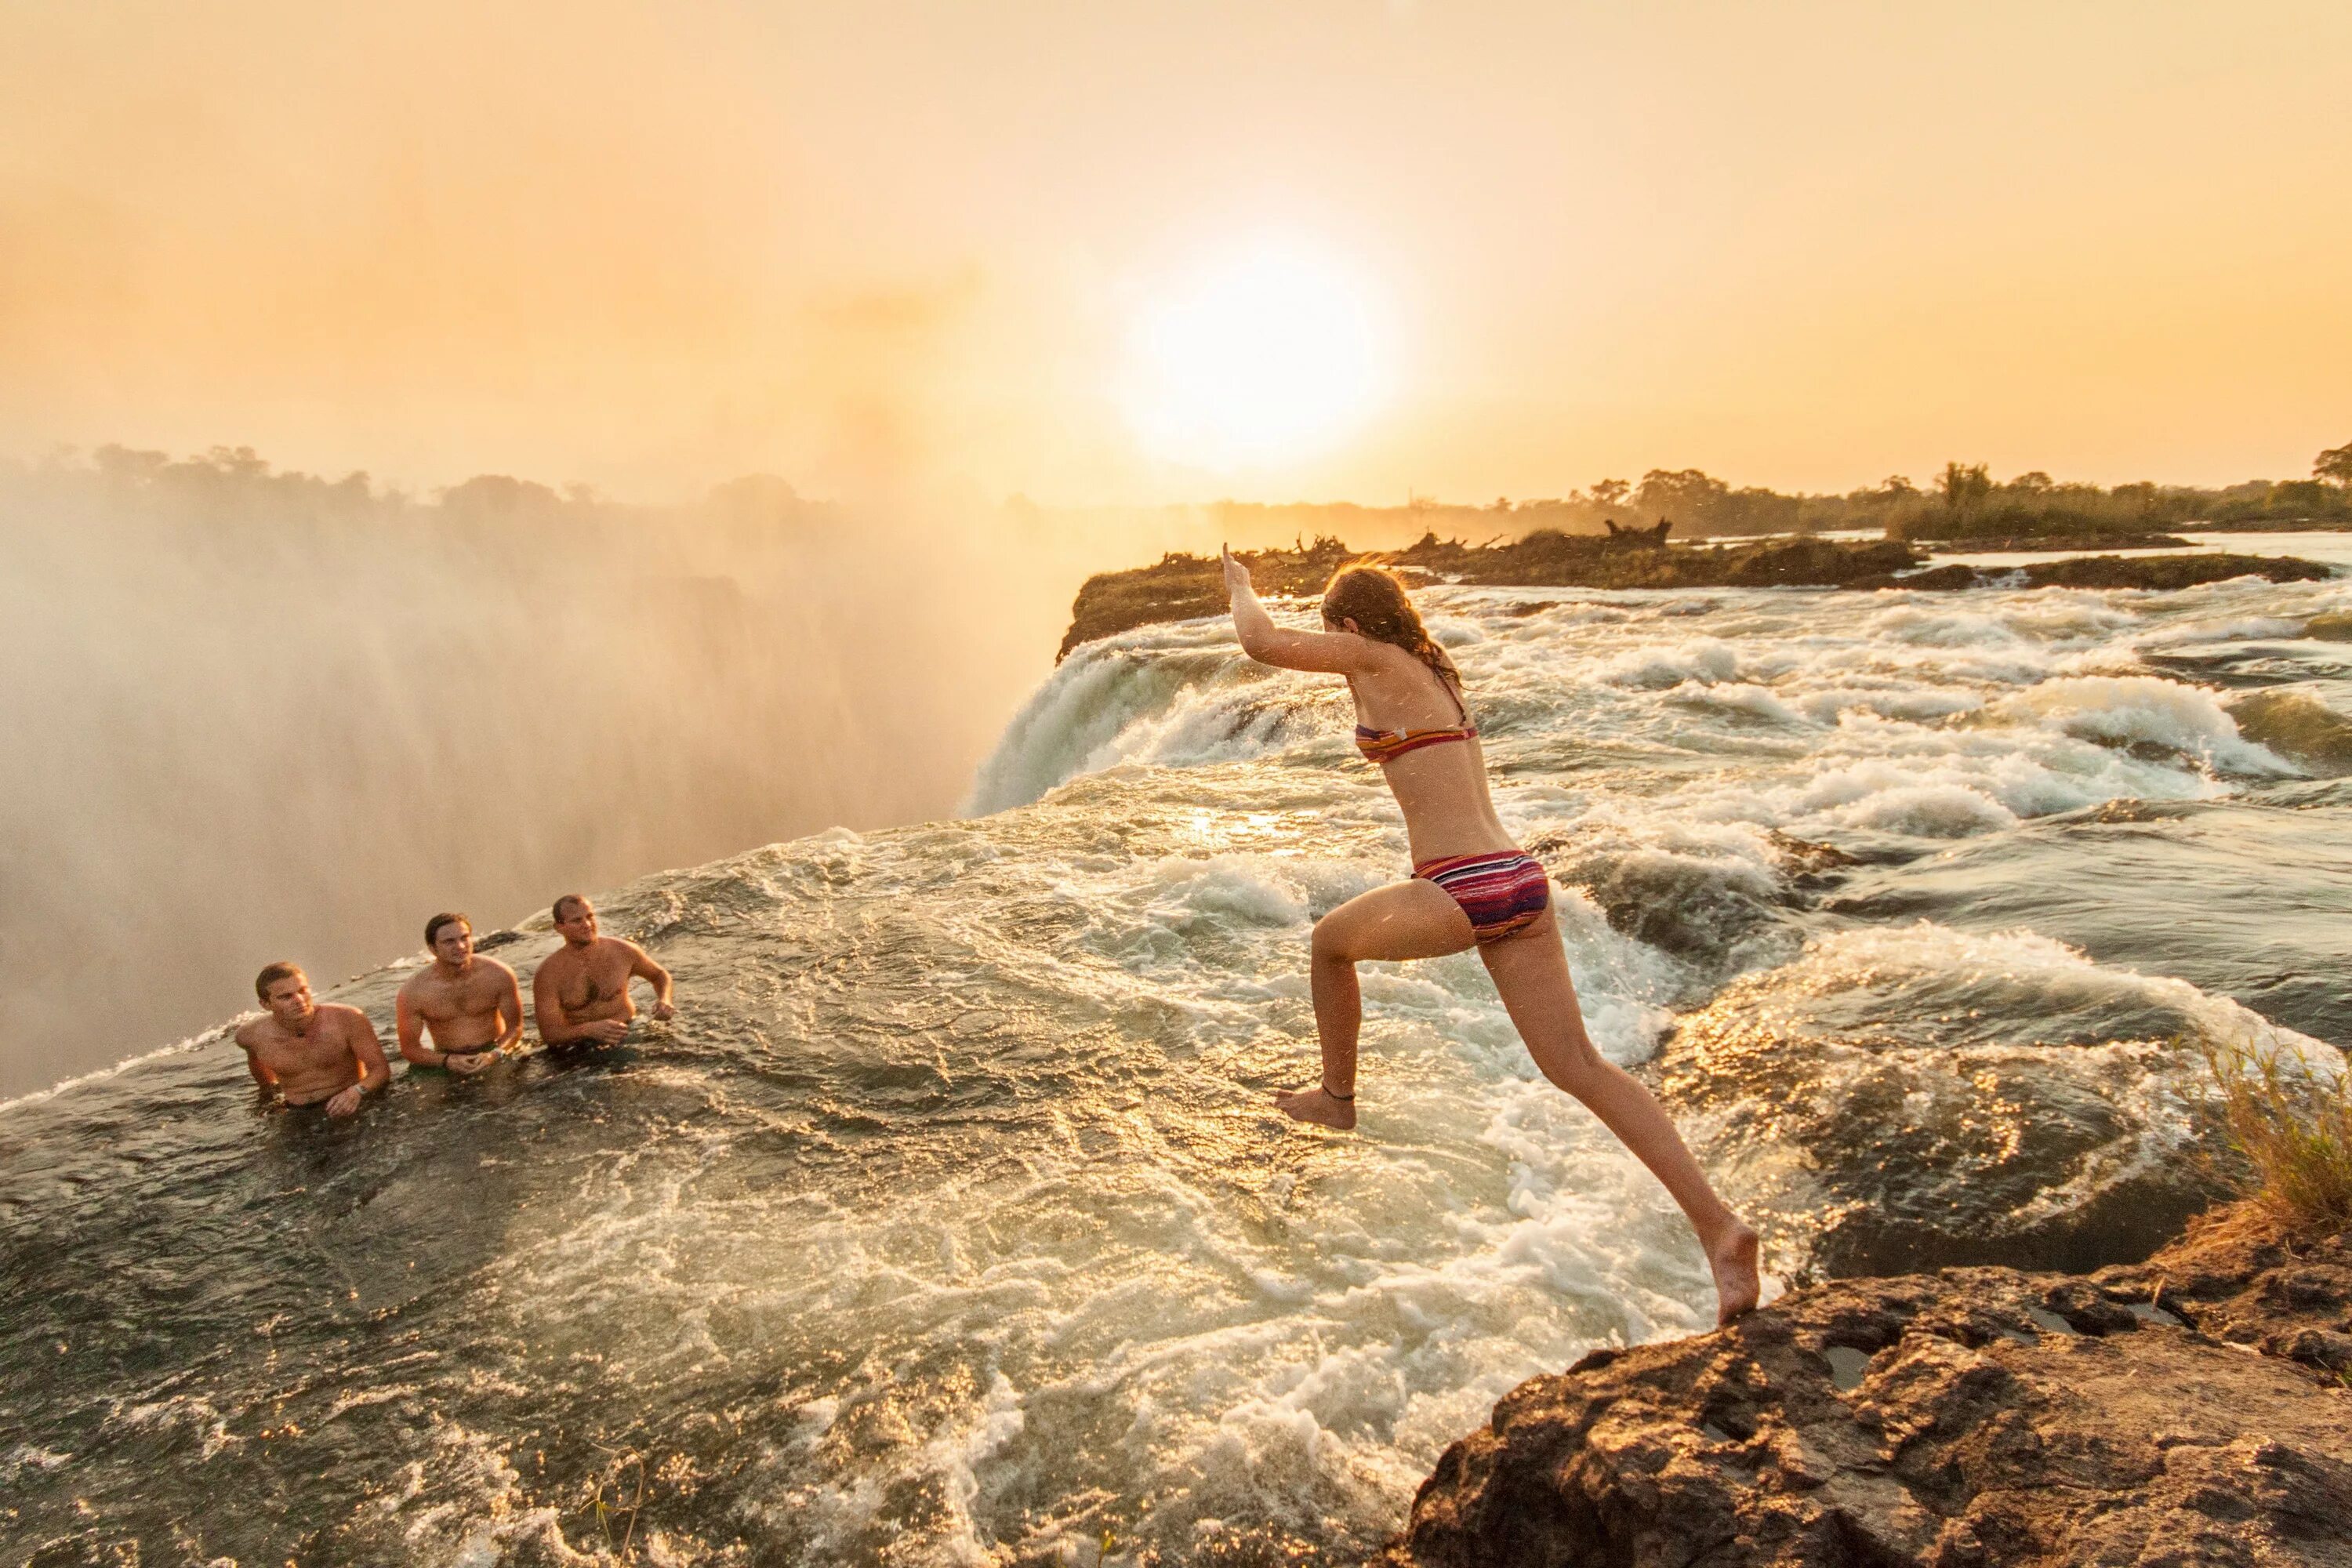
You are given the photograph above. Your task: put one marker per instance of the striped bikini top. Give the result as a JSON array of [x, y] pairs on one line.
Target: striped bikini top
[[1388, 745]]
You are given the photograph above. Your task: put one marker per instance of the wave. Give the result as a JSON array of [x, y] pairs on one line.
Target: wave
[[2298, 725], [2147, 709], [1164, 697], [1923, 1097]]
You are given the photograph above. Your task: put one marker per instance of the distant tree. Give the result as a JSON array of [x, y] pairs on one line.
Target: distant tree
[[1964, 486], [1609, 493], [1897, 487], [1689, 496], [2297, 497], [129, 463], [500, 495], [2033, 481], [242, 463], [1756, 509], [2335, 464]]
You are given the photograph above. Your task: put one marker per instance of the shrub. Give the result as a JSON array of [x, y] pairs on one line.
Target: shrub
[[2290, 1122]]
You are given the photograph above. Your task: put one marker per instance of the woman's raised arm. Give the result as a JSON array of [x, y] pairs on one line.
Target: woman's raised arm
[[1333, 653]]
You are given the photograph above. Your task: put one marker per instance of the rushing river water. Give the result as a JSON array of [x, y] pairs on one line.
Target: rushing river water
[[949, 1223]]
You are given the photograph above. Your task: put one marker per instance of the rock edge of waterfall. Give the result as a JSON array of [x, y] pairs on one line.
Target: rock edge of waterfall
[[2192, 1408], [1185, 587]]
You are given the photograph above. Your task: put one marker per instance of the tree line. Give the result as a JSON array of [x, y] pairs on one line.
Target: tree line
[[1963, 501]]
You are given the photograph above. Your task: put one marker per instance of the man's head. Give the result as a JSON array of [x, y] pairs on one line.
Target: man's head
[[575, 917], [285, 990], [451, 938]]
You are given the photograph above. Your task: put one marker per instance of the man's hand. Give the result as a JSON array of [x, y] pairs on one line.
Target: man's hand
[[346, 1103], [1237, 577], [606, 1031], [471, 1063], [661, 1012]]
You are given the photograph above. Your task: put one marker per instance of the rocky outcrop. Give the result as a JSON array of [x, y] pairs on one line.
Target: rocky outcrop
[[2190, 1409], [1183, 587], [2064, 541], [2158, 572]]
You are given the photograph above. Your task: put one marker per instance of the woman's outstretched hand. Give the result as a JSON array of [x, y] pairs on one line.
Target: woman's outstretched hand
[[1237, 577]]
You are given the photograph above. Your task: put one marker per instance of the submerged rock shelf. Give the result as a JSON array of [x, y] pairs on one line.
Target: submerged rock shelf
[[1184, 587], [1969, 1416]]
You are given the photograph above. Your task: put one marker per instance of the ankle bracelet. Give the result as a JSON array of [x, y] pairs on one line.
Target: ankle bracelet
[[1335, 1093]]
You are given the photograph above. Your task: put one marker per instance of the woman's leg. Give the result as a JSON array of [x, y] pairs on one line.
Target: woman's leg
[[1530, 970], [1407, 919]]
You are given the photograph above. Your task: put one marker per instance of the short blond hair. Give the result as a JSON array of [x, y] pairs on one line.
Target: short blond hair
[[271, 975]]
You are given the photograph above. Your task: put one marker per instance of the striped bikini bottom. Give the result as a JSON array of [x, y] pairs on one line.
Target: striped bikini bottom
[[1502, 893]]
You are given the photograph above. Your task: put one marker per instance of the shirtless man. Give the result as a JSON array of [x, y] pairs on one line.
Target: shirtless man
[[471, 1005], [307, 1052], [582, 991]]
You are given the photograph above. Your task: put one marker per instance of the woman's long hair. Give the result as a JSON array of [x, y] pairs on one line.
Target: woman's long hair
[[1375, 598]]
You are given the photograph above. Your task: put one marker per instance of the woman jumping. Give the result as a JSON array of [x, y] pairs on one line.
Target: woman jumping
[[1470, 885]]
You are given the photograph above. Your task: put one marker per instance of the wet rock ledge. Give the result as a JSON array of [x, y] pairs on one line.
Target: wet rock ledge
[[1181, 587], [2191, 1409]]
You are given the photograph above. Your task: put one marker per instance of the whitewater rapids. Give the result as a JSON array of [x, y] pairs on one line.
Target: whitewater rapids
[[949, 1223]]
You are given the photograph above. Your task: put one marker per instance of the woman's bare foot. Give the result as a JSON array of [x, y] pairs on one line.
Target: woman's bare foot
[[1321, 1107], [1737, 1284]]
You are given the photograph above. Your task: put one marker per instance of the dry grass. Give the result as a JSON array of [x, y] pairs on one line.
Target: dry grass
[[2291, 1122]]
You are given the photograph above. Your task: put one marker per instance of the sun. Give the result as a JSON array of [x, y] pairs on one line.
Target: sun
[[1259, 355]]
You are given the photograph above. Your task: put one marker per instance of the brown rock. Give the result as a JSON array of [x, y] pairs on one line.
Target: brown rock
[[1974, 1417], [2234, 1278]]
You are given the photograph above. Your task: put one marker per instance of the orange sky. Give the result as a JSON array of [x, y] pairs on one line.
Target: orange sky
[[648, 246]]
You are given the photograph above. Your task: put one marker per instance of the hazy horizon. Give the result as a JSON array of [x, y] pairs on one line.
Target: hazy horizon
[[378, 485]]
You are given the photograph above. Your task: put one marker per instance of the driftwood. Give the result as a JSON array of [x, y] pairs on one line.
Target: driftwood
[[1653, 538]]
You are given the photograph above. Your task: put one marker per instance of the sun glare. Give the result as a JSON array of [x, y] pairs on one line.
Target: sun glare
[[1258, 357]]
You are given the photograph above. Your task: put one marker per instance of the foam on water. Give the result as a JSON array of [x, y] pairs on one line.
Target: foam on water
[[949, 1223], [2039, 1107]]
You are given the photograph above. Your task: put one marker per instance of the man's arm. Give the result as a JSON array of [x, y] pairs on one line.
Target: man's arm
[[1332, 653], [547, 1006], [557, 1029], [261, 1075], [510, 1007], [367, 1050], [408, 1027], [643, 967]]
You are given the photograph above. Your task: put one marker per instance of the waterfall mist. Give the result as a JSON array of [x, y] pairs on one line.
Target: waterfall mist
[[255, 715]]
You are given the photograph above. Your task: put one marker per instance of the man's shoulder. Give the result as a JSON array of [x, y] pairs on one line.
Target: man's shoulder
[[343, 1013], [492, 967], [249, 1033], [619, 944]]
